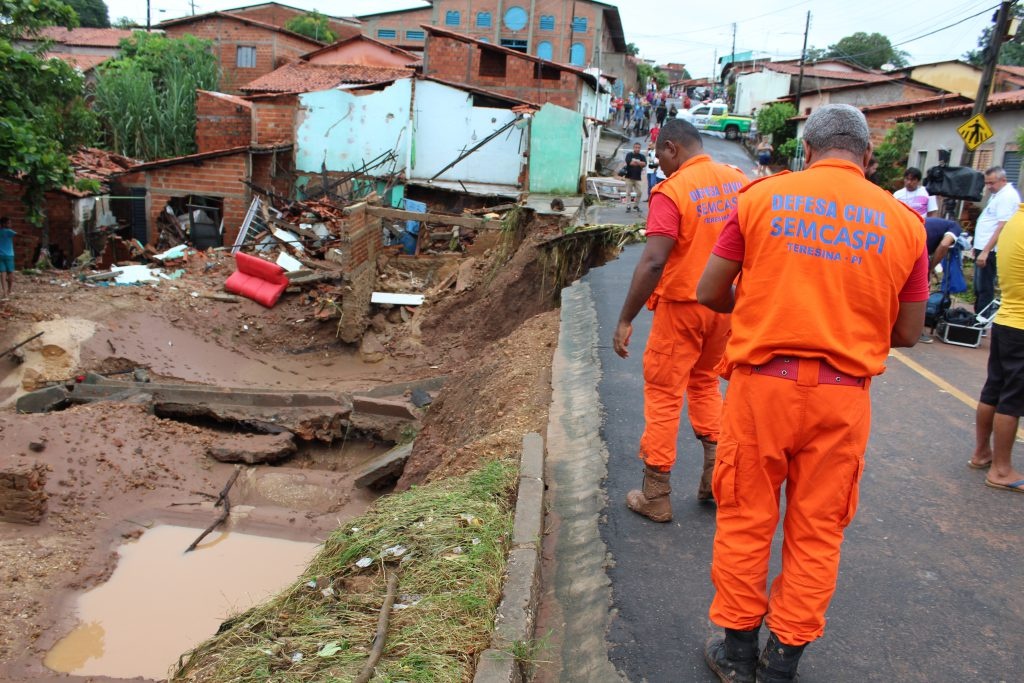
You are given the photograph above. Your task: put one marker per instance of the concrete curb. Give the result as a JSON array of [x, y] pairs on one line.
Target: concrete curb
[[518, 608]]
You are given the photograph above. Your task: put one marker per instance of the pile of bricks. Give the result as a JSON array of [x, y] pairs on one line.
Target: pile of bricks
[[22, 494]]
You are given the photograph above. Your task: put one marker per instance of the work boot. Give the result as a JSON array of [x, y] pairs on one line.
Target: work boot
[[653, 501], [704, 490], [733, 658], [778, 661]]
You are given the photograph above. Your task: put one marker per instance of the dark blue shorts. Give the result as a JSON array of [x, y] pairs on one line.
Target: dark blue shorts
[[1004, 387], [6, 264]]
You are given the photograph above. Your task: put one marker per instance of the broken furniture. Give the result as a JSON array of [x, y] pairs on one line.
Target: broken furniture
[[256, 279]]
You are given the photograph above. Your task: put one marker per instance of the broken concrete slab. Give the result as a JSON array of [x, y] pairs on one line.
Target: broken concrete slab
[[253, 449], [383, 407], [385, 470]]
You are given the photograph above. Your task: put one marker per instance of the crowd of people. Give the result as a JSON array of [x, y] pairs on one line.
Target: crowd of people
[[721, 268], [639, 113]]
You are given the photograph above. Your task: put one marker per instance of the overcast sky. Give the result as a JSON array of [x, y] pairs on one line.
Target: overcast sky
[[693, 33]]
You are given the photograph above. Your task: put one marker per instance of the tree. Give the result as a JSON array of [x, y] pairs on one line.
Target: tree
[[125, 23], [632, 50], [870, 50], [43, 116], [91, 13], [312, 25], [893, 154], [773, 119], [1011, 53], [145, 99]]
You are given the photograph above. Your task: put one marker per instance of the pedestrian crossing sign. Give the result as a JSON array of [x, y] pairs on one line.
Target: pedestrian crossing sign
[[975, 131]]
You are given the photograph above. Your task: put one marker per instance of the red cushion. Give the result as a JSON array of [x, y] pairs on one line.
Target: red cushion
[[262, 281]]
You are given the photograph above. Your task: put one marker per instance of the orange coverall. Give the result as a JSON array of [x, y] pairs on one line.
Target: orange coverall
[[837, 250], [687, 340]]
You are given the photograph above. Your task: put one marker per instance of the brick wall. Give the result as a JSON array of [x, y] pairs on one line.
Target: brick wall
[[22, 494], [274, 171], [222, 123], [560, 38], [274, 120], [454, 60], [60, 211], [219, 177], [279, 16], [360, 244], [272, 47]]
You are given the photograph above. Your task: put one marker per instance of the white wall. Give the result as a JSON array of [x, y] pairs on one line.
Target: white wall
[[753, 90]]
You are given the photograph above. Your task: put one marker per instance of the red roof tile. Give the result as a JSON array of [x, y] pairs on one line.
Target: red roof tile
[[306, 77], [1013, 99], [84, 37], [794, 69], [81, 62]]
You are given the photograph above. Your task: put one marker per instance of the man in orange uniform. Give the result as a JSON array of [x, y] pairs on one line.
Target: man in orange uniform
[[687, 211], [833, 272]]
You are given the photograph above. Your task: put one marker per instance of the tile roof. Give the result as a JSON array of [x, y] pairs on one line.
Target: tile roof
[[82, 37], [1015, 70], [306, 77], [794, 69], [945, 98], [413, 59], [81, 62], [100, 165], [1013, 99]]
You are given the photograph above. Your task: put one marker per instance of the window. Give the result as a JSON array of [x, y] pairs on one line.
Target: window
[[415, 35], [518, 45], [1011, 164], [492, 63], [387, 33], [452, 18], [922, 159], [245, 57], [544, 50], [579, 24], [547, 72], [547, 22], [577, 54], [516, 19], [483, 19], [983, 158], [701, 111]]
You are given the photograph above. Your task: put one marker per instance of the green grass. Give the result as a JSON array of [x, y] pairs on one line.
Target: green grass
[[456, 533]]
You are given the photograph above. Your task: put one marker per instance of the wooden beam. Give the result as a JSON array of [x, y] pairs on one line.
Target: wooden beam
[[444, 219]]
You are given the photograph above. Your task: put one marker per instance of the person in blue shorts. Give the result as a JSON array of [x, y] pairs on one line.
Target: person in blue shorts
[[6, 257]]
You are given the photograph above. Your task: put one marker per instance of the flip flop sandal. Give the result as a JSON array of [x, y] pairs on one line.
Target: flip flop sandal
[[975, 466], [1016, 487]]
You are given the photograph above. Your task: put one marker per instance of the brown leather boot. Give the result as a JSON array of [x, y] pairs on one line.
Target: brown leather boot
[[704, 490], [653, 501]]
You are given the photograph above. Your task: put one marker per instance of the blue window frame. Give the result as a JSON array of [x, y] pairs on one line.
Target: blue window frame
[[387, 33], [516, 18], [517, 45], [415, 35], [483, 19], [579, 24], [547, 22], [545, 50], [452, 18], [577, 54]]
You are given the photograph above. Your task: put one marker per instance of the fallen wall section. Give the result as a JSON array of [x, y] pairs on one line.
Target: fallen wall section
[[22, 495]]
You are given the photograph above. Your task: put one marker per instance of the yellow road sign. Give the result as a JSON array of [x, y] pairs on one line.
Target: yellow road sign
[[975, 132]]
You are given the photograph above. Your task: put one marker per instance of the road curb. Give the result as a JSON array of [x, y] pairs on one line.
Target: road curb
[[517, 611]]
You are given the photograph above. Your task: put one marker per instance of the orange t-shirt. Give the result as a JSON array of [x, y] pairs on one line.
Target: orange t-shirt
[[826, 255], [705, 194]]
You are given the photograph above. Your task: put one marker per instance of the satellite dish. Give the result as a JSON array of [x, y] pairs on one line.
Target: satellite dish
[[888, 66]]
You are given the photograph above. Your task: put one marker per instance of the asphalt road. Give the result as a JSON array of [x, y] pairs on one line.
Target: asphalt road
[[931, 585]]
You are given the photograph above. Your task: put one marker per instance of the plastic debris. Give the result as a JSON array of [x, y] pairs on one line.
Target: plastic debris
[[329, 649], [296, 657], [364, 562], [394, 551]]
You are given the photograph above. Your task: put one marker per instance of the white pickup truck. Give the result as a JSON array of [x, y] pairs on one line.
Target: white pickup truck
[[715, 117]]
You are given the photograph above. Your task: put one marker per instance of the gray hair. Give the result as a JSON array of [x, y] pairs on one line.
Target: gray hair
[[997, 171], [837, 126]]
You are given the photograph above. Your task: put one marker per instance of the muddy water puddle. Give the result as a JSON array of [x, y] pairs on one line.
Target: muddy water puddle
[[160, 602]]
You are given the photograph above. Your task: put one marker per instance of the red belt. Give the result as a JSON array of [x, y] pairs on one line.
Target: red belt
[[786, 367]]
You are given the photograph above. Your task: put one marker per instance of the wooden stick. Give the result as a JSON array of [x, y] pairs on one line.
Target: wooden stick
[[382, 631], [221, 498], [15, 347]]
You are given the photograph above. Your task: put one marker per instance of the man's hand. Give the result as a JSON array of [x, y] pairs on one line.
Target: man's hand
[[982, 259], [620, 341]]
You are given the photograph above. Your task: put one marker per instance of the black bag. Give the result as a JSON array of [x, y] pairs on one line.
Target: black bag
[[960, 316], [622, 172], [955, 182], [936, 308]]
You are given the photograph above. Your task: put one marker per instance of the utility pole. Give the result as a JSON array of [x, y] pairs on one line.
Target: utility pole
[[995, 43], [732, 57], [803, 58], [148, 26]]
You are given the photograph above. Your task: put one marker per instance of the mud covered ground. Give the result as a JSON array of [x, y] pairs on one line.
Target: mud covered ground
[[115, 470]]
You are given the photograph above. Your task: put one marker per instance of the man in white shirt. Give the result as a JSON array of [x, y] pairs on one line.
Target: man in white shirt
[[915, 196], [1002, 204]]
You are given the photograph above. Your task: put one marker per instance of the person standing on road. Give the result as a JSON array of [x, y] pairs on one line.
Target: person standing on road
[[635, 163], [1001, 205], [6, 257], [686, 342], [814, 314], [654, 172], [1002, 398], [915, 196], [764, 157]]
